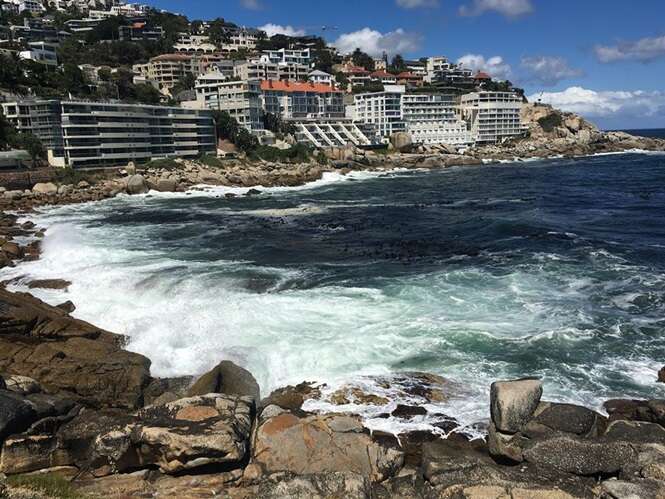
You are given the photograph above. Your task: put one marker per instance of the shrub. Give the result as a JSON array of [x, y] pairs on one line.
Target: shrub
[[211, 160], [165, 164], [71, 176], [550, 122], [298, 153], [53, 486]]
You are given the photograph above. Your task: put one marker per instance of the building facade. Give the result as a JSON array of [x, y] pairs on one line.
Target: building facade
[[241, 99], [493, 116], [433, 119], [381, 109], [263, 69], [290, 99], [83, 134]]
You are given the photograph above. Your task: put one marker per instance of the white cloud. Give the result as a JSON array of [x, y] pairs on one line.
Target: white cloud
[[277, 29], [634, 104], [495, 66], [509, 8], [415, 4], [375, 43], [251, 4], [643, 50], [548, 71]]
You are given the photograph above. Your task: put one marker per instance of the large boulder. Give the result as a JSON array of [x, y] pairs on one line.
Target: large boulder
[[229, 379], [22, 384], [67, 355], [651, 411], [16, 414], [512, 403], [179, 436], [166, 185], [48, 188], [322, 444], [136, 184], [401, 141], [581, 457]]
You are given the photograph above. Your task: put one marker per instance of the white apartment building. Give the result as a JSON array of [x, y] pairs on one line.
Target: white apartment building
[[433, 119], [41, 52], [92, 134], [333, 132], [290, 56], [320, 77], [290, 99], [167, 69], [381, 109], [263, 69], [441, 70], [493, 116], [241, 99]]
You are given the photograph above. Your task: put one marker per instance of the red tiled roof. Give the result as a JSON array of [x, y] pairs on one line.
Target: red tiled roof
[[355, 69], [382, 74], [296, 86], [482, 76]]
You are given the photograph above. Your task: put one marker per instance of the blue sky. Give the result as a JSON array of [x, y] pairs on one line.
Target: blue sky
[[603, 58]]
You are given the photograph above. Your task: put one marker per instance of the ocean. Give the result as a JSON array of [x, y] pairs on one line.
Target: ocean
[[547, 268]]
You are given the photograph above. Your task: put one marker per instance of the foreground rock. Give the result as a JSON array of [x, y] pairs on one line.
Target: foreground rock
[[68, 356], [229, 379]]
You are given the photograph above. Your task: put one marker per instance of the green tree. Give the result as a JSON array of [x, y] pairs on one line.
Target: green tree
[[7, 132], [397, 65], [32, 145], [147, 94], [186, 82], [362, 59], [218, 31]]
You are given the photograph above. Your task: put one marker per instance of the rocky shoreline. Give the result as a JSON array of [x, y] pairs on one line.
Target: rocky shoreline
[[74, 403]]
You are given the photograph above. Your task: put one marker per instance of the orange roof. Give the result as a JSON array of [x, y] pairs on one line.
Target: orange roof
[[482, 76], [297, 86], [382, 74], [355, 69]]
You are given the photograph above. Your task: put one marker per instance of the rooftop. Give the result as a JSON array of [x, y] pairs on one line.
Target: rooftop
[[296, 86]]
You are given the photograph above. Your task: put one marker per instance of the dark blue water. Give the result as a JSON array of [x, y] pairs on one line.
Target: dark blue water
[[654, 133], [553, 268]]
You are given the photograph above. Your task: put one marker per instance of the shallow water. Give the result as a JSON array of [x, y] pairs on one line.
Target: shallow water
[[551, 268]]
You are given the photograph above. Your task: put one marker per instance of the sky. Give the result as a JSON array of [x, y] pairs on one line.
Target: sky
[[602, 58]]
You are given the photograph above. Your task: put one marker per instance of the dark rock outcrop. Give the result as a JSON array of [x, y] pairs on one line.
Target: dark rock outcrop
[[226, 378], [66, 355]]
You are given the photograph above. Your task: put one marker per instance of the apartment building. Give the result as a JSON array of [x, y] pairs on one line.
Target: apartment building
[[140, 31], [383, 77], [34, 30], [410, 80], [241, 99], [290, 99], [493, 116], [433, 119], [194, 44], [381, 109], [442, 72], [32, 6], [290, 56], [167, 69], [39, 117], [263, 69], [333, 132], [92, 134], [41, 52], [241, 39], [320, 77]]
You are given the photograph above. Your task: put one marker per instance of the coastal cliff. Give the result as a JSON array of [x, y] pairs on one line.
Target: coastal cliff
[[73, 404]]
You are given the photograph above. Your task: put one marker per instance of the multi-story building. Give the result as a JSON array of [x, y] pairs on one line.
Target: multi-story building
[[35, 7], [93, 134], [357, 76], [290, 99], [194, 44], [240, 99], [321, 77], [263, 69], [442, 72], [493, 116], [333, 132], [34, 30], [410, 80], [433, 119], [382, 109], [240, 39], [416, 67], [41, 52], [290, 56], [140, 31], [167, 69], [383, 77], [39, 117]]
